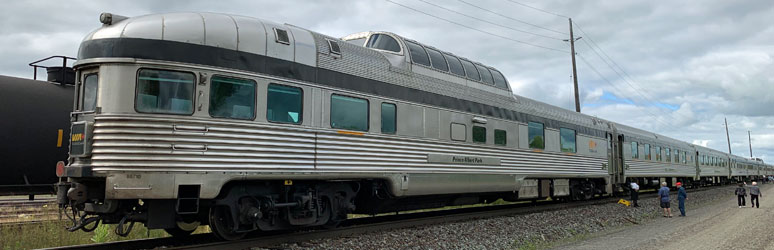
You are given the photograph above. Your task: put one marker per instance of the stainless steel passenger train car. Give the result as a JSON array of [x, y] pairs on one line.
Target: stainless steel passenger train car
[[245, 125]]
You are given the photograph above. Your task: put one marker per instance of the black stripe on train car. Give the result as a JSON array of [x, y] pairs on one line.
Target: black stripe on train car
[[231, 59]]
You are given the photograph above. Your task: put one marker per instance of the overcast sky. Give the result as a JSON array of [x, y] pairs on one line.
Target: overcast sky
[[680, 66]]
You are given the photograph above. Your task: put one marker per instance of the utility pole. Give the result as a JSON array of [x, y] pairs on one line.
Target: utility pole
[[574, 71], [749, 139], [727, 137]]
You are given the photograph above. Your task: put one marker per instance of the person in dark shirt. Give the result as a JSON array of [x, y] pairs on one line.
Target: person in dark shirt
[[740, 192], [755, 192], [681, 197], [663, 195]]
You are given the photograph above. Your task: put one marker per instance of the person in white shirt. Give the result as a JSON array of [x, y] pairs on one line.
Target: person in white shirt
[[635, 193]]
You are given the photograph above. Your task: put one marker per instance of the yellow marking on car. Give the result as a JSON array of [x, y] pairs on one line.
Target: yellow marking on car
[[77, 137], [288, 182], [349, 132], [59, 138]]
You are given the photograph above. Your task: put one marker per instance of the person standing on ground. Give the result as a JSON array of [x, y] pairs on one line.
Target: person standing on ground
[[740, 194], [663, 194], [754, 193], [681, 197], [635, 193]]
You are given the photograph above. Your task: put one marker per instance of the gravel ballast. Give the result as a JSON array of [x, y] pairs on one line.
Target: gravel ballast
[[526, 231]]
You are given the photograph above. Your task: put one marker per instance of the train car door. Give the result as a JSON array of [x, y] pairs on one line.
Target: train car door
[[616, 169]]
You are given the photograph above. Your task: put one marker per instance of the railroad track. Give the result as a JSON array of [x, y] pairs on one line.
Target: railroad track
[[356, 226], [23, 211]]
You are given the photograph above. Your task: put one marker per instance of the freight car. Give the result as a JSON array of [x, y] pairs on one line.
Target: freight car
[[35, 129], [185, 119]]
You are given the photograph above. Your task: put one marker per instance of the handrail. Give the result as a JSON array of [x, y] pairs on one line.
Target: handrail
[[64, 65]]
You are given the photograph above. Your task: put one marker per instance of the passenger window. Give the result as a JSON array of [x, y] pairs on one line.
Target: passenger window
[[485, 75], [389, 118], [499, 79], [418, 54], [90, 92], [677, 155], [383, 42], [232, 98], [658, 153], [536, 135], [455, 66], [166, 92], [349, 113], [479, 134], [284, 104], [500, 137], [470, 70], [647, 152], [567, 140], [436, 58], [668, 155], [635, 150]]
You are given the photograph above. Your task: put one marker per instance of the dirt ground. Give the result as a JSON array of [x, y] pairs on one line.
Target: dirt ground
[[720, 225]]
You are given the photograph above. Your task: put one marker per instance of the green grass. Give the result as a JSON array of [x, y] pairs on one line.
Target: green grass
[[53, 234]]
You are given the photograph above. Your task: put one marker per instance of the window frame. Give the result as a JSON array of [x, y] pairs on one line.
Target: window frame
[[277, 36], [668, 154], [300, 115], [411, 57], [658, 155], [447, 56], [482, 68], [432, 64], [381, 118], [575, 140], [543, 135], [467, 76], [82, 96], [646, 148], [473, 134], [368, 40], [255, 100], [505, 134], [368, 112], [193, 92], [635, 148]]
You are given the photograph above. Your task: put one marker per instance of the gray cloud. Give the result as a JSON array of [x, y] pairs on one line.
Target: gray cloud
[[700, 61]]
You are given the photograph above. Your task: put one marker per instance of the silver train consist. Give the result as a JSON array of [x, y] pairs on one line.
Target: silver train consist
[[188, 119]]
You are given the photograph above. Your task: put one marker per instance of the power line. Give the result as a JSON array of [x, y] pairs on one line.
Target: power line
[[514, 19], [492, 23], [538, 9], [658, 118], [482, 31], [645, 97]]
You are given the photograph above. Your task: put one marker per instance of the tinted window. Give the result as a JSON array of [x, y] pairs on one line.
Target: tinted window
[[470, 70], [647, 151], [499, 79], [418, 54], [284, 104], [349, 113], [436, 58], [383, 42], [168, 92], [658, 153], [90, 92], [455, 66], [500, 137], [535, 135], [567, 140], [479, 134], [232, 98], [635, 150], [677, 155], [485, 75], [668, 156], [389, 121]]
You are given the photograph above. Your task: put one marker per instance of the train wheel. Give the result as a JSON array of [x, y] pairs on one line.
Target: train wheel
[[183, 229], [222, 224]]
